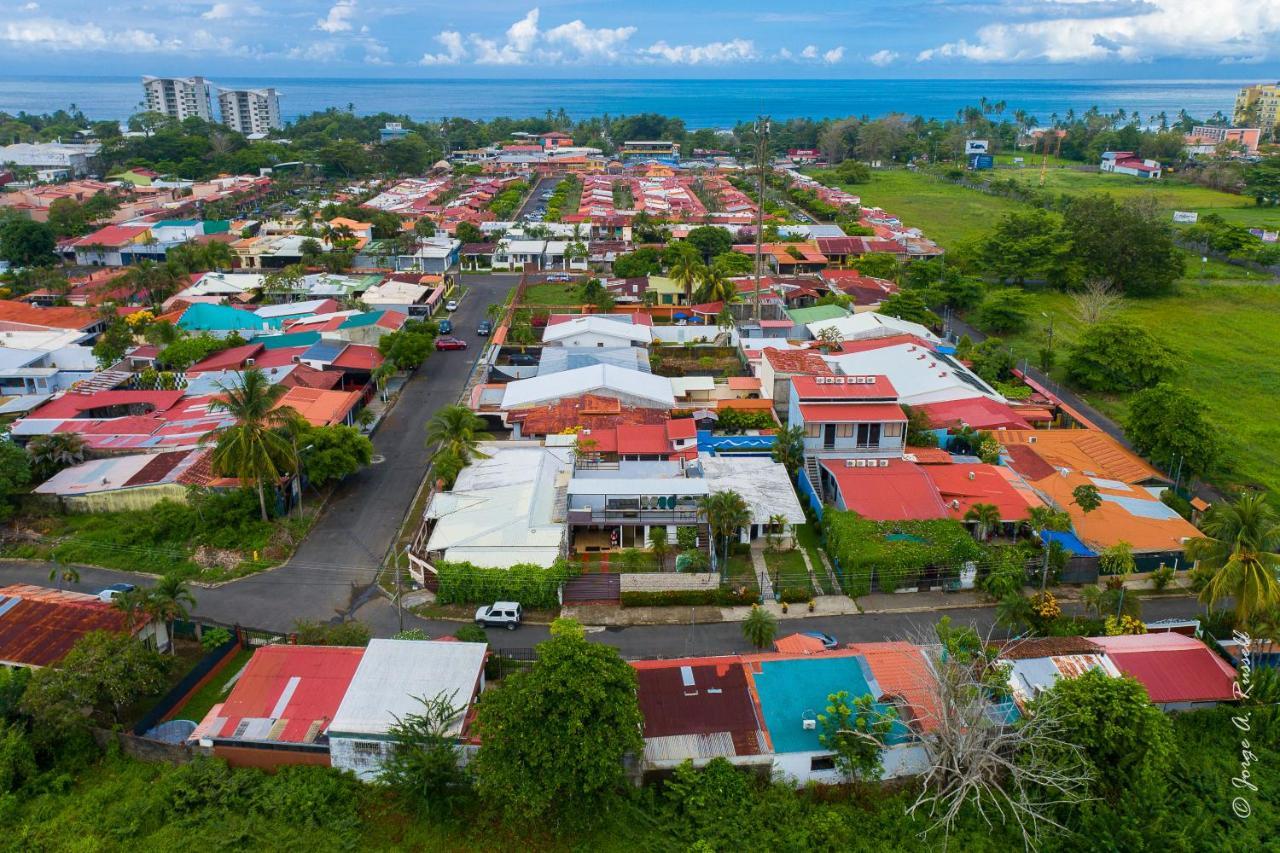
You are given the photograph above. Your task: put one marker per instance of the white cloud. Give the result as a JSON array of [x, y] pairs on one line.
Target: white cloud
[[737, 50], [231, 11], [1159, 28], [831, 57], [454, 50], [523, 33], [810, 52], [520, 38], [339, 18], [881, 58], [318, 51], [31, 7], [603, 42], [58, 35]]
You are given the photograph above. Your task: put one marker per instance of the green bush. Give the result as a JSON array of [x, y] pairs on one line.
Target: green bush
[[896, 551], [670, 598], [531, 585], [893, 576], [471, 634], [795, 594]]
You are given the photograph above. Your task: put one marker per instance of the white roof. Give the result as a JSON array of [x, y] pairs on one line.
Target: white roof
[[502, 509], [224, 284], [682, 385], [41, 339], [919, 375], [290, 309], [869, 324], [763, 484], [394, 674], [525, 247], [595, 325], [606, 379], [395, 293]]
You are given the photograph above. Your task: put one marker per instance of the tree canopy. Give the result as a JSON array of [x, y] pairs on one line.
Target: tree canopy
[[1168, 426], [1118, 355]]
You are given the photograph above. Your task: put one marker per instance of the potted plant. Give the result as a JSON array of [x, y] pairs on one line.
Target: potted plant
[[812, 605], [784, 608]]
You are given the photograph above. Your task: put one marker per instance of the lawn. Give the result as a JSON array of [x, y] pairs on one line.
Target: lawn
[[946, 212], [549, 293], [787, 570], [808, 539], [215, 689], [1225, 334]]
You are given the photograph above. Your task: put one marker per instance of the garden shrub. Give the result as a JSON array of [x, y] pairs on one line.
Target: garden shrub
[[795, 594], [531, 585], [896, 551]]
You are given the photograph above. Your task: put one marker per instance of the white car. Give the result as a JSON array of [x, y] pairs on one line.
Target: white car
[[500, 614], [451, 305]]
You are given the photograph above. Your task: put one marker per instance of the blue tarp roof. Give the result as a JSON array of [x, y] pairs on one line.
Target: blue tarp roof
[[1069, 541], [324, 351], [223, 318]]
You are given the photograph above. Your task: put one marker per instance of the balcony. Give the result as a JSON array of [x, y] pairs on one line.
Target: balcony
[[679, 516]]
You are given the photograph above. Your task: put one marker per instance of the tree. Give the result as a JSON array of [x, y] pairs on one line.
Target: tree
[[554, 737], [1005, 310], [456, 430], [1241, 546], [710, 241], [788, 448], [105, 672], [637, 264], [1168, 426], [985, 517], [908, 305], [730, 264], [156, 281], [879, 265], [27, 243], [659, 546], [726, 512], [254, 449], [169, 600], [1095, 302], [1086, 497], [67, 218], [760, 627], [347, 632], [919, 428], [61, 573], [1262, 181], [1117, 559], [829, 338], [1117, 355], [467, 232], [113, 343], [57, 450], [331, 453], [856, 732], [15, 472], [1023, 245], [686, 269], [715, 287], [407, 349], [1124, 243], [424, 764]]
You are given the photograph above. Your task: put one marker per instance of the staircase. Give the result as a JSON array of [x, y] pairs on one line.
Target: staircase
[[812, 471], [595, 588]]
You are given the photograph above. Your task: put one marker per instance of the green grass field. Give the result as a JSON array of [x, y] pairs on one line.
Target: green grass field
[[215, 691], [1226, 335], [551, 294]]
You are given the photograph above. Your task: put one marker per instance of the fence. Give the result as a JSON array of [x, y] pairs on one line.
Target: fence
[[189, 683], [503, 662]]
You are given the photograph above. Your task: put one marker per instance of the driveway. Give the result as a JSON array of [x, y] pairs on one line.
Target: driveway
[[534, 201]]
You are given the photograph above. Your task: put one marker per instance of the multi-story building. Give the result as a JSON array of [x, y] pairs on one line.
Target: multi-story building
[[1259, 106], [178, 97], [250, 111]]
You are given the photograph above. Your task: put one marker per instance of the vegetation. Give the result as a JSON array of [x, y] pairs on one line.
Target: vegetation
[[532, 585], [105, 672], [856, 731], [893, 552], [330, 453], [255, 449], [1241, 546], [760, 627]]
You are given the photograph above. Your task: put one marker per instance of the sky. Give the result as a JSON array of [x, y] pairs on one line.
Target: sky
[[1125, 39]]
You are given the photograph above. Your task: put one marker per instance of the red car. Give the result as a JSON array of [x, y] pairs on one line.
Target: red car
[[450, 343]]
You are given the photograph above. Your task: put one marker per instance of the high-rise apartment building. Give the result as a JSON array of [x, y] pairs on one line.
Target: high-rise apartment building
[[250, 110], [178, 97], [1259, 106]]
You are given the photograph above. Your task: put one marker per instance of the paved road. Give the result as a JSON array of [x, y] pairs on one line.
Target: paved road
[[534, 201]]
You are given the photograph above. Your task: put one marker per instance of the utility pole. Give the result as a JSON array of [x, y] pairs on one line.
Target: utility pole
[[399, 602], [762, 158]]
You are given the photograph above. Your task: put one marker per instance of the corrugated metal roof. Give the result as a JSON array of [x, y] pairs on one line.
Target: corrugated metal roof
[[39, 626]]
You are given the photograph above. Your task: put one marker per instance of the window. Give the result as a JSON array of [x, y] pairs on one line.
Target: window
[[813, 430], [868, 435], [844, 430], [822, 762], [892, 430], [366, 748]]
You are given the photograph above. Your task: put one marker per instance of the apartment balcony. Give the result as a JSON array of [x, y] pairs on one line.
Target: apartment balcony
[[681, 516]]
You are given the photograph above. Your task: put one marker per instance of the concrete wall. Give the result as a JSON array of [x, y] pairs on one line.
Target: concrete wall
[[144, 497]]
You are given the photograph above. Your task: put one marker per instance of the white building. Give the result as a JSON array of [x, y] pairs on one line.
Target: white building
[[250, 110], [595, 330], [918, 374], [52, 159], [178, 97], [631, 387], [869, 325], [390, 682]]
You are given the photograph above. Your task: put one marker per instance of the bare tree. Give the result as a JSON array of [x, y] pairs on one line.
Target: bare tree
[[1098, 299], [1006, 770]]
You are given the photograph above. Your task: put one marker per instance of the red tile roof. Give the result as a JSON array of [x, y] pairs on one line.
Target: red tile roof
[[76, 319], [868, 344], [320, 407], [900, 670], [228, 359], [299, 686], [112, 236], [898, 492], [963, 485], [359, 357], [798, 644], [44, 624], [589, 411], [305, 376]]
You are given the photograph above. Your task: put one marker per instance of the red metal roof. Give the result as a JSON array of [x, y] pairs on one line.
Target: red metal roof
[[53, 318], [868, 344], [698, 696], [898, 492], [359, 357], [297, 685], [44, 624], [228, 359], [112, 236], [965, 485], [798, 361], [977, 412], [844, 388], [70, 405], [1178, 675], [859, 413], [681, 428]]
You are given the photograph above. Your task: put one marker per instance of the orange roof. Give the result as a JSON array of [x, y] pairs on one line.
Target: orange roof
[[319, 407], [929, 455], [801, 361], [759, 405], [798, 644], [1085, 450], [54, 318], [1128, 513], [744, 383], [900, 670]]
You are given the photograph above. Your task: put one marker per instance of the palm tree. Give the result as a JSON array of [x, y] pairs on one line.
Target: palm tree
[[169, 602], [725, 513], [1014, 611], [256, 449], [713, 286], [987, 518], [55, 451], [760, 627], [62, 573], [1240, 545], [218, 255], [686, 270], [456, 430], [134, 604], [157, 281], [830, 338], [966, 440], [788, 448], [381, 375], [659, 545], [1093, 598]]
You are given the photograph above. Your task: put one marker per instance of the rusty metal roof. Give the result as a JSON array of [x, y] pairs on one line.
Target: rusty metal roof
[[38, 626]]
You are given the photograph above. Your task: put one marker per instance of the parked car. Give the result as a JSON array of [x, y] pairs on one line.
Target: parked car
[[500, 614], [450, 343], [522, 359], [485, 328], [116, 589], [559, 276], [828, 641], [451, 305], [445, 327]]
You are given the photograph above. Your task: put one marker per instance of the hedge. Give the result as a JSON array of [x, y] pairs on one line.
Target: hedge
[[795, 594], [529, 584], [690, 598], [863, 547]]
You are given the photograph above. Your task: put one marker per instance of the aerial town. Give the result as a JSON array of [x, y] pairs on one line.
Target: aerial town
[[896, 483]]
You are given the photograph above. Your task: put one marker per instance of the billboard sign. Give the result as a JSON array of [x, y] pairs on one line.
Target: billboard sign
[[975, 146]]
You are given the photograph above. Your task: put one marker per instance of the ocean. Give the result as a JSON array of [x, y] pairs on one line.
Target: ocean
[[701, 103]]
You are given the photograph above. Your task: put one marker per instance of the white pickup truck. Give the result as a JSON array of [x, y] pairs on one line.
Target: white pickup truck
[[500, 614]]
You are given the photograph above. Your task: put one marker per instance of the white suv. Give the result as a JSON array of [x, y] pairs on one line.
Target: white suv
[[500, 614]]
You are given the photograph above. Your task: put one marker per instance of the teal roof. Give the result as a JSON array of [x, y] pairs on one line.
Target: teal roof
[[217, 226], [203, 317], [816, 314], [296, 339], [367, 318], [794, 690], [177, 223]]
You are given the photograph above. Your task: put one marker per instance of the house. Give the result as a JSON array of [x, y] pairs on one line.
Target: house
[[1128, 163], [671, 440], [778, 367], [221, 320], [788, 258], [801, 318], [323, 408], [501, 510], [630, 387], [409, 299], [52, 160], [596, 330], [1205, 139], [37, 370], [1036, 664], [391, 679], [38, 626], [919, 374], [555, 139], [20, 317], [281, 707], [847, 415], [1180, 673], [869, 325], [132, 482], [765, 486], [586, 412]]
